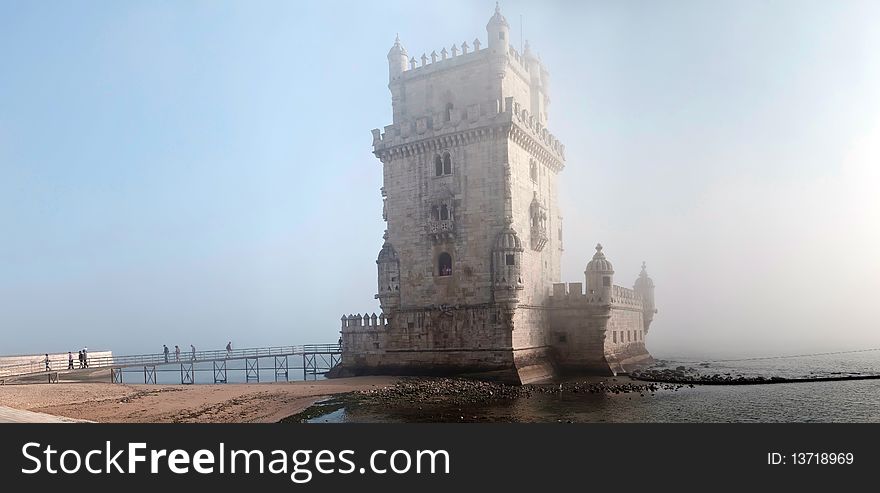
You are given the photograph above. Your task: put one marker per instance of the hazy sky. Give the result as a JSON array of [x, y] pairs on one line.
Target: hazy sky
[[194, 172]]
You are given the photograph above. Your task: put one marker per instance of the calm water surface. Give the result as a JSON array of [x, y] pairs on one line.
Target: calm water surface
[[840, 401]]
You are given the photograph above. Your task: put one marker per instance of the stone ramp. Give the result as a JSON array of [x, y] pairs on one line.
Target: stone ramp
[[10, 415]]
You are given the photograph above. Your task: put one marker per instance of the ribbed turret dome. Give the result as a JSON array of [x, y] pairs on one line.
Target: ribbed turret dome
[[387, 254], [644, 281], [599, 262], [508, 240], [397, 49], [498, 18]]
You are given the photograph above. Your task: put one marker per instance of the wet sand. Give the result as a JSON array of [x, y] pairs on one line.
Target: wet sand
[[224, 403]]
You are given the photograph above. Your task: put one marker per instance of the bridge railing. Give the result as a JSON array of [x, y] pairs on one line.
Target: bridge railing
[[160, 358]]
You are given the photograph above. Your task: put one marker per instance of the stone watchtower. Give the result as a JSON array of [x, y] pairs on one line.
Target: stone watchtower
[[474, 234]]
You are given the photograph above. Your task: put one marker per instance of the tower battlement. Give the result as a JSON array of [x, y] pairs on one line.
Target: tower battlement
[[489, 118]]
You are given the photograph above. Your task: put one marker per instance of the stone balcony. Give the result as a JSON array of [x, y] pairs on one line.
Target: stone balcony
[[539, 238], [441, 230]]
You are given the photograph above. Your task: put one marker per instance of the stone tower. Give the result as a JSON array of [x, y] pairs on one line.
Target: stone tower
[[468, 158], [473, 236]]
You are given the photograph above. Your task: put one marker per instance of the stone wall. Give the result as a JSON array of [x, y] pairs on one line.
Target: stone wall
[[473, 339]]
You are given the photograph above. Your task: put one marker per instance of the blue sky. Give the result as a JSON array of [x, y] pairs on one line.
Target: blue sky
[[194, 172]]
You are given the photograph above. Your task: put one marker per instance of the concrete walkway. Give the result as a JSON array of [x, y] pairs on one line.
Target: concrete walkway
[[10, 415]]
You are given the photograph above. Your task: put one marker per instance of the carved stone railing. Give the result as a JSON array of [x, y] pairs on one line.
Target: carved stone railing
[[539, 238], [441, 230]]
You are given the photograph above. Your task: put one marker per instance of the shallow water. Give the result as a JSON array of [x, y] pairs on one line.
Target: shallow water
[[838, 401]]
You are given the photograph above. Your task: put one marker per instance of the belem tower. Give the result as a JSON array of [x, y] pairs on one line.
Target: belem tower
[[470, 267]]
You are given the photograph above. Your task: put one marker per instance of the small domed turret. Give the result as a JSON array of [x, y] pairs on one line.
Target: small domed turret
[[507, 265], [397, 60], [644, 287], [499, 32], [600, 277], [388, 264], [643, 281]]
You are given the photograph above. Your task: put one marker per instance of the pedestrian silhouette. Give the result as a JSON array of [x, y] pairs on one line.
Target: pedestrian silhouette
[[165, 352], [47, 363], [69, 360]]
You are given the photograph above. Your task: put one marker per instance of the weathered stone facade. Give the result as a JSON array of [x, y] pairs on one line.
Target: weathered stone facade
[[469, 270]]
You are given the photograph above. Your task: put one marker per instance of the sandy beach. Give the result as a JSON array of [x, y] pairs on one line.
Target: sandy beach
[[224, 403]]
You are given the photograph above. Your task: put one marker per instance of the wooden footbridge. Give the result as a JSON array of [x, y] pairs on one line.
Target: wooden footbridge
[[311, 359]]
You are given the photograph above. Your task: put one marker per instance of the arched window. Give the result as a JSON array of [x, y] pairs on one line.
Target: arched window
[[438, 165], [510, 259], [435, 213], [447, 164], [533, 170], [448, 115], [444, 264], [444, 212]]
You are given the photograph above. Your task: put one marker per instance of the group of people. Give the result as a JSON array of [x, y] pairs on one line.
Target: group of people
[[83, 360], [192, 355]]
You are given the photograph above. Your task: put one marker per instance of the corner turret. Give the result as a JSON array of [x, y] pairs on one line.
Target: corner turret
[[600, 277], [507, 266], [499, 33], [397, 60], [644, 287], [388, 264]]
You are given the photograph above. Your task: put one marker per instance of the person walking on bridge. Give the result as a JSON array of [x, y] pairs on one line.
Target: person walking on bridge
[[176, 352], [70, 360], [86, 357], [229, 349], [82, 360], [193, 349], [165, 352], [47, 363]]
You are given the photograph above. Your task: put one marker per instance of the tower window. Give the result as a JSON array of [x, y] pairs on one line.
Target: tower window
[[438, 165], [444, 264], [435, 213], [447, 164], [606, 281], [444, 212], [533, 170], [501, 35], [448, 115], [509, 259]]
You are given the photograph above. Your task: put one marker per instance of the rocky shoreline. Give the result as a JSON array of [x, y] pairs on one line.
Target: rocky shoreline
[[690, 376], [461, 391], [444, 397]]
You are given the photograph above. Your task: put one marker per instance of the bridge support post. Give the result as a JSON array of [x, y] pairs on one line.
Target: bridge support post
[[186, 374], [220, 371], [115, 375], [149, 375], [281, 368], [252, 369], [310, 365]]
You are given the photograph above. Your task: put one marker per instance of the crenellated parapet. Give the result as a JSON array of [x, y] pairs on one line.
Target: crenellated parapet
[[364, 322], [456, 55], [491, 119]]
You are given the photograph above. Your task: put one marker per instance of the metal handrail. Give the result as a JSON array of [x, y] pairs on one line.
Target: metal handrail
[[160, 359]]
